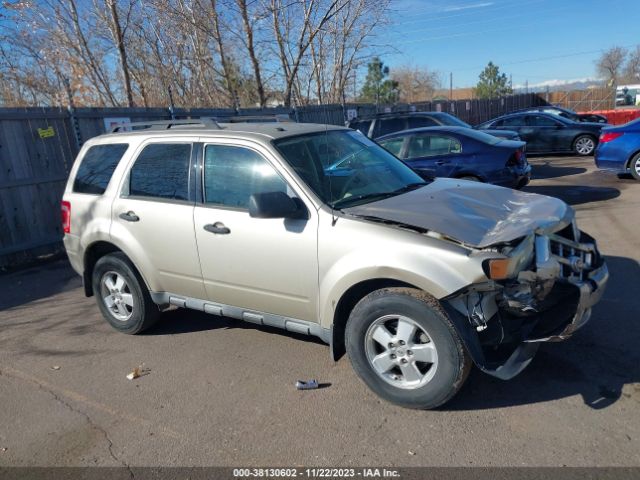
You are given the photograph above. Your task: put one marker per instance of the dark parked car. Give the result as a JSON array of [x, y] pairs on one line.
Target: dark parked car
[[566, 113], [460, 152], [545, 133], [619, 149], [382, 124]]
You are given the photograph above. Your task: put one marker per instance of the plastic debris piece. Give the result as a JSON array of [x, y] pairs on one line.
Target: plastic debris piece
[[411, 453], [310, 385], [138, 372], [4, 449], [55, 367]]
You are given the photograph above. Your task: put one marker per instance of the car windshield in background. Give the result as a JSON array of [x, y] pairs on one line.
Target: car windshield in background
[[451, 121], [344, 168]]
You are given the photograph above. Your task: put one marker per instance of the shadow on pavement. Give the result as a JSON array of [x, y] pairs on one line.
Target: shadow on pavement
[[35, 283], [547, 170], [575, 194], [595, 364], [181, 320]]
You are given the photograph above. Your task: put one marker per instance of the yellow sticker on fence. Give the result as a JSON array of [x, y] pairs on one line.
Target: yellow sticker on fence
[[46, 132]]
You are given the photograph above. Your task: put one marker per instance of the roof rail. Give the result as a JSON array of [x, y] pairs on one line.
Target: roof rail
[[166, 124], [279, 117]]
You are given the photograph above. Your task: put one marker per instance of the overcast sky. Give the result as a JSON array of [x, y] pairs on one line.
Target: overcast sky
[[535, 40]]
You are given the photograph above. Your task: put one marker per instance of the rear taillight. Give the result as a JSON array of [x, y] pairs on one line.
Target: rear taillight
[[608, 136], [516, 159], [65, 208]]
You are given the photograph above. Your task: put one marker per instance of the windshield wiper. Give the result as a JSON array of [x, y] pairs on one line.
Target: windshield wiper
[[378, 195], [367, 196], [409, 187]]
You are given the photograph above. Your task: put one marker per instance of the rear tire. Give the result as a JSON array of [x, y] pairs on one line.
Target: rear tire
[[122, 295], [584, 145], [403, 346], [634, 166]]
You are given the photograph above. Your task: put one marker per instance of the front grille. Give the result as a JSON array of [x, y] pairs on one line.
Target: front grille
[[576, 259]]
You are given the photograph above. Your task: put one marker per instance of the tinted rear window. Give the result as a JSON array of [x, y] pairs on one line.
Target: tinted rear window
[[390, 125], [481, 136], [97, 167], [162, 171], [362, 126]]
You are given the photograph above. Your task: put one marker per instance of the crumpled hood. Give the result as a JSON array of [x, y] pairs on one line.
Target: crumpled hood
[[473, 213]]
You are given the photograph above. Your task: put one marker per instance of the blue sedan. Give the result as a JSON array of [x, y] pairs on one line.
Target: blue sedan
[[619, 149], [458, 152]]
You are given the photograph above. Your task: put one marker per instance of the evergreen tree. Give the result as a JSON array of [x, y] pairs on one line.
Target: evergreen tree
[[377, 87], [492, 83]]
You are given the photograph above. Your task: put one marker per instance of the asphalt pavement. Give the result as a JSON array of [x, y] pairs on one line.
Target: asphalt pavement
[[221, 392]]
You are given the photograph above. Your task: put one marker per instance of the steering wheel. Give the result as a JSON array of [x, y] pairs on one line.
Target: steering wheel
[[354, 179]]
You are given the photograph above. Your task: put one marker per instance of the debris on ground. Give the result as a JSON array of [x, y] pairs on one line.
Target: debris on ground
[[310, 385], [3, 449], [55, 367], [138, 372], [411, 453]]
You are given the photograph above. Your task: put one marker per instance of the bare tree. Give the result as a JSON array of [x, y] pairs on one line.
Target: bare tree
[[118, 34], [416, 84], [610, 63], [632, 68]]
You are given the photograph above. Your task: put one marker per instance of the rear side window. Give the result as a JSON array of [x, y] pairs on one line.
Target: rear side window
[[511, 122], [540, 121], [97, 167], [419, 122], [233, 174], [362, 126], [161, 171], [390, 125]]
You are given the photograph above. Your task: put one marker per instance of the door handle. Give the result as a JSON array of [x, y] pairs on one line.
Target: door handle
[[217, 228], [442, 162], [129, 216]]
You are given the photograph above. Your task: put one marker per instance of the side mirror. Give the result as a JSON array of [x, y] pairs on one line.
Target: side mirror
[[275, 205]]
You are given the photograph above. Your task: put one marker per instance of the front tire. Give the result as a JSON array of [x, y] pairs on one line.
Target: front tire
[[584, 145], [403, 346], [634, 166], [122, 296]]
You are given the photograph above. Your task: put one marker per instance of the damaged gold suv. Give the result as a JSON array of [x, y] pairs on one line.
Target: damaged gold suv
[[317, 230]]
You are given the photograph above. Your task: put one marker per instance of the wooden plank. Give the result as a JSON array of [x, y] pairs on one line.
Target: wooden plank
[[32, 181], [41, 242]]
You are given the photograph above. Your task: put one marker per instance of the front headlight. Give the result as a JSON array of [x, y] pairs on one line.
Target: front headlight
[[514, 261]]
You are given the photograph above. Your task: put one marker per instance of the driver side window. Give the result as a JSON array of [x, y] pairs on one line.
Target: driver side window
[[233, 174]]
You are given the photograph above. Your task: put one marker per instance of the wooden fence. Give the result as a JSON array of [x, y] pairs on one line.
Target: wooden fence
[[38, 147]]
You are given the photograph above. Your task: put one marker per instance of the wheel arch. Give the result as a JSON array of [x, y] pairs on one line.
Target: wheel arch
[[348, 301], [95, 252], [627, 165]]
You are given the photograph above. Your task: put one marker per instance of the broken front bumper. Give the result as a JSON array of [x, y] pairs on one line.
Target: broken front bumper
[[590, 293], [545, 303]]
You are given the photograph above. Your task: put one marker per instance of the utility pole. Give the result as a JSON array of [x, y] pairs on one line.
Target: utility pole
[[511, 82], [451, 86], [526, 85]]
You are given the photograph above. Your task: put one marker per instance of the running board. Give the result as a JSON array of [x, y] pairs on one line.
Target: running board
[[259, 318]]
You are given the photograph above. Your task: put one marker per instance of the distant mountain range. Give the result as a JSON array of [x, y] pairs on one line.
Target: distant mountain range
[[560, 85]]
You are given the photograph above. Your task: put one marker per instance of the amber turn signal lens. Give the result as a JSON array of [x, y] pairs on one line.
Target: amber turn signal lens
[[498, 268]]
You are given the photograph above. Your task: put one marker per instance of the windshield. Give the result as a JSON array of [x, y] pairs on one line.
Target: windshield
[[451, 121], [344, 168]]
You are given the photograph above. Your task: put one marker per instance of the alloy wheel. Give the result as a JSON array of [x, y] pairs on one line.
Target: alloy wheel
[[401, 352], [116, 295], [585, 145]]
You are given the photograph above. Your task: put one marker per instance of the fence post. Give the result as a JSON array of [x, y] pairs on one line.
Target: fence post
[[72, 115]]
